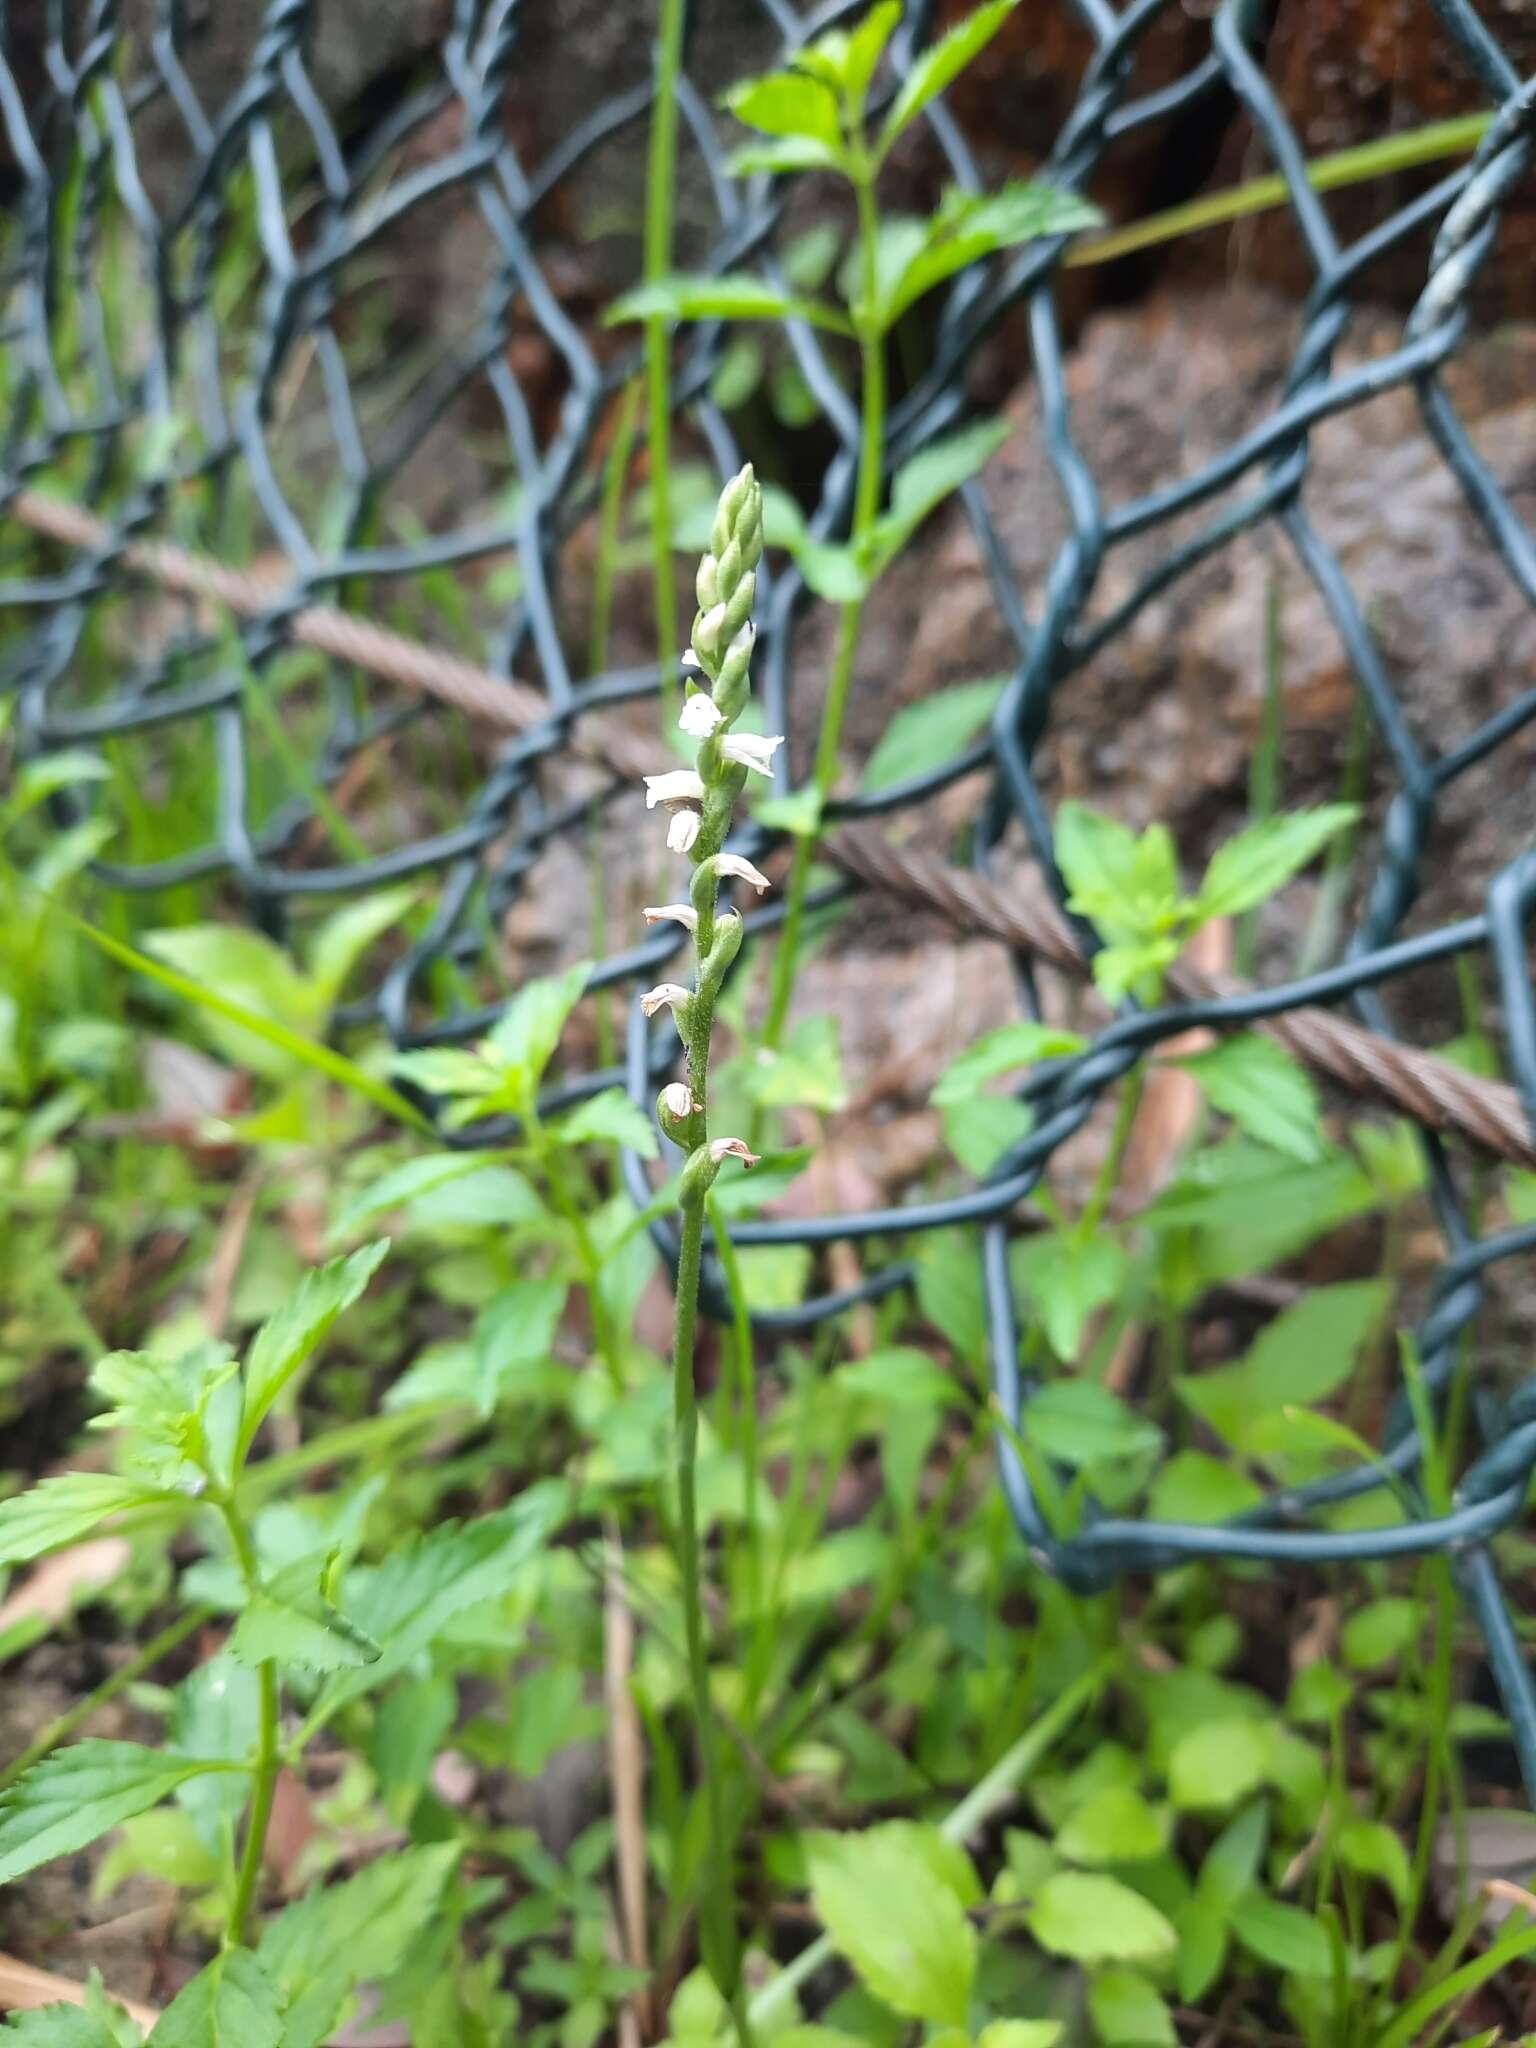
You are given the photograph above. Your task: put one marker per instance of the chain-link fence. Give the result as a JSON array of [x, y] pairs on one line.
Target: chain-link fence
[[188, 376]]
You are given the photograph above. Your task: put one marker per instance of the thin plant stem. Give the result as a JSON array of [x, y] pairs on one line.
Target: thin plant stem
[[267, 1754], [60, 1730], [749, 1443], [866, 510], [660, 196], [615, 471], [1108, 1179]]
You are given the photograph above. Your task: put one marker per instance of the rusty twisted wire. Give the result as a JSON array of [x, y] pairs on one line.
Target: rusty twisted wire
[[1421, 1085]]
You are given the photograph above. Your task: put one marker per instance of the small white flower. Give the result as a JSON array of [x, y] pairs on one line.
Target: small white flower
[[677, 1099], [691, 669], [682, 830], [706, 633], [679, 913], [752, 750], [666, 995], [742, 870], [732, 1148], [677, 786], [700, 715]]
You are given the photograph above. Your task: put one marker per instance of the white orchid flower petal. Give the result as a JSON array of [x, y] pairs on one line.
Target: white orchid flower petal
[[700, 716], [682, 830], [679, 913], [752, 750], [677, 786], [666, 995], [741, 870], [732, 1148]]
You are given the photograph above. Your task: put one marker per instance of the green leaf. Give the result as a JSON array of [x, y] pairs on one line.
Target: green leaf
[[181, 1415], [350, 1933], [901, 1377], [61, 2026], [1128, 2013], [1251, 867], [1233, 1859], [316, 1636], [1128, 884], [979, 1129], [1218, 1763], [1000, 1052], [865, 46], [609, 1115], [788, 103], [39, 779], [404, 1184], [927, 480], [1195, 1487], [406, 1602], [248, 969], [62, 1510], [969, 226], [1098, 1920], [76, 1794], [409, 1729], [806, 1074], [231, 2004], [341, 941], [721, 298], [1305, 1354], [1375, 1851], [516, 1329], [1265, 1092], [1020, 2034], [940, 65], [1285, 1936], [286, 1340], [831, 570], [893, 1900], [1380, 1632], [1067, 1278], [931, 732], [525, 1035], [1202, 1930], [1081, 1423], [785, 153], [1114, 1825]]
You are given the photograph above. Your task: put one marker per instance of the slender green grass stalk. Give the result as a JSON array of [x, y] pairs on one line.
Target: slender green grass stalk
[[660, 195], [700, 802], [1264, 771], [865, 511], [267, 1753], [750, 1447], [615, 471]]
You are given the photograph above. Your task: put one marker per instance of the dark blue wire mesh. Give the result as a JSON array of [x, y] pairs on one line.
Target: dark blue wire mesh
[[150, 379]]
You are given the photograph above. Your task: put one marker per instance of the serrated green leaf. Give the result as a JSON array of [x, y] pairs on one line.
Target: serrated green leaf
[[609, 1115], [1307, 1353], [58, 2026], [525, 1035], [721, 298], [1251, 867], [62, 1510], [1001, 1052], [925, 735], [316, 1636], [1127, 883], [284, 1342], [1096, 1919], [181, 1415], [76, 1794], [233, 2003], [940, 65], [1067, 1278], [1265, 1092], [893, 1901]]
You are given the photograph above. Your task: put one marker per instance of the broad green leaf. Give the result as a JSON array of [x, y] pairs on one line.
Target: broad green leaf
[[1067, 1278], [283, 1343], [217, 1714], [449, 1070], [341, 941], [1115, 1825], [830, 568], [405, 1183], [76, 1794], [1372, 1850], [1096, 1919], [495, 1197], [949, 1292], [1020, 2034], [928, 479], [901, 1377], [164, 1844], [1381, 1631], [940, 65], [865, 46], [525, 1035], [979, 1129], [1202, 1930], [347, 1934], [721, 298], [409, 1729], [969, 226], [231, 2004], [931, 732], [1232, 1862], [1128, 884], [316, 1636], [783, 154], [1286, 1936], [62, 1510], [39, 779], [1128, 2012], [406, 1602], [789, 103], [246, 968], [1195, 1487], [1265, 1092], [1000, 1052], [1251, 867], [181, 1415], [1081, 1423], [1253, 1207], [1218, 1763], [893, 1900], [516, 1329], [609, 1115], [1305, 1354], [806, 1074], [60, 2026]]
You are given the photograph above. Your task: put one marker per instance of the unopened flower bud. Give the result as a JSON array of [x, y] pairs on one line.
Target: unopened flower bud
[[683, 830], [707, 583], [706, 634]]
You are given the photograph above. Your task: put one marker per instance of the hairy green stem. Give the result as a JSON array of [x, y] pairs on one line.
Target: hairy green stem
[[267, 1756], [659, 200], [750, 1447]]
